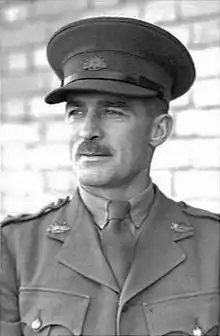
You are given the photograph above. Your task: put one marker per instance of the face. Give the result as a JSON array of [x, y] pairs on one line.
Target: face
[[110, 135]]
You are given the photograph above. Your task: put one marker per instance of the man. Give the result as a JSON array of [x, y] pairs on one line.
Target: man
[[119, 258]]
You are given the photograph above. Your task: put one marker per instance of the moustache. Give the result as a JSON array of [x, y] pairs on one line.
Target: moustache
[[92, 148]]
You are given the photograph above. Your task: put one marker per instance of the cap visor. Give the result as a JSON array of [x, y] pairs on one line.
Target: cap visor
[[98, 85]]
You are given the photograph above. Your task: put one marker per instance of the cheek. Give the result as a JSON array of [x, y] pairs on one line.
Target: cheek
[[132, 148], [138, 138], [73, 143]]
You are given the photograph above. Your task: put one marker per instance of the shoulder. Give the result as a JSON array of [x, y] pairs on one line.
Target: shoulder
[[198, 213], [183, 210], [205, 224], [27, 217], [26, 234]]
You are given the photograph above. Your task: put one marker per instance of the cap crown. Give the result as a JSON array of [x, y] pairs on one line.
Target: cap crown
[[137, 42]]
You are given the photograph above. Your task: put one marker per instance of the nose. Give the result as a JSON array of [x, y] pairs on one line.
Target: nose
[[91, 128]]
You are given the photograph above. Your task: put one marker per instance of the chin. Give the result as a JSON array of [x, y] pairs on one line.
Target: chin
[[94, 179]]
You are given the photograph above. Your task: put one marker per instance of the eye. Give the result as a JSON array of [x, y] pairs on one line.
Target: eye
[[114, 111], [74, 113]]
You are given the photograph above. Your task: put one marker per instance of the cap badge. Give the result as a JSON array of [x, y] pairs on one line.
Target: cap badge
[[180, 227], [94, 63], [58, 227]]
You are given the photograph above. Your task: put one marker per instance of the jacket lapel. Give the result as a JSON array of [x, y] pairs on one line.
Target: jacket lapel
[[81, 250], [157, 252]]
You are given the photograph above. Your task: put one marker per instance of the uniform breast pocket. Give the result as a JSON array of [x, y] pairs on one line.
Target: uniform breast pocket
[[195, 314], [52, 313]]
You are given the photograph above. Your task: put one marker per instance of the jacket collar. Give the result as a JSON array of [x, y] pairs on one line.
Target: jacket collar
[[81, 250], [156, 247]]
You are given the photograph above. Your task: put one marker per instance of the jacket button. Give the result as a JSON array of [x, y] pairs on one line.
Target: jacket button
[[197, 331], [36, 324]]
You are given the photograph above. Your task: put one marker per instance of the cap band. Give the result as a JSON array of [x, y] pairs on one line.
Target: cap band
[[138, 80]]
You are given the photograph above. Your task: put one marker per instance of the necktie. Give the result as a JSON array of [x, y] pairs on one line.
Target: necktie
[[118, 241]]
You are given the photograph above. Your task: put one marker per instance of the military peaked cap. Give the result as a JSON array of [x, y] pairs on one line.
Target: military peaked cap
[[120, 56]]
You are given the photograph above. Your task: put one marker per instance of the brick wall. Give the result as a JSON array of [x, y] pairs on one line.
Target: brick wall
[[35, 167]]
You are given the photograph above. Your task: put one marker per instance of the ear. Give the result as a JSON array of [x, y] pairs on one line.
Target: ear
[[161, 128]]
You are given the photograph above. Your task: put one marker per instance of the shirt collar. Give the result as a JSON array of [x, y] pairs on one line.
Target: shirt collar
[[140, 206]]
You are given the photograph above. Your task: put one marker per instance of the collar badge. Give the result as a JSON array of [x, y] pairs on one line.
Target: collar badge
[[94, 63], [180, 227], [58, 227]]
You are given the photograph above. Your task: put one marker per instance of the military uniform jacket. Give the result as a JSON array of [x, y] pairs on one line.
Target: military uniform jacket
[[55, 280]]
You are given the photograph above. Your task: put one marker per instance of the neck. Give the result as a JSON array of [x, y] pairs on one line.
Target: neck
[[123, 193]]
